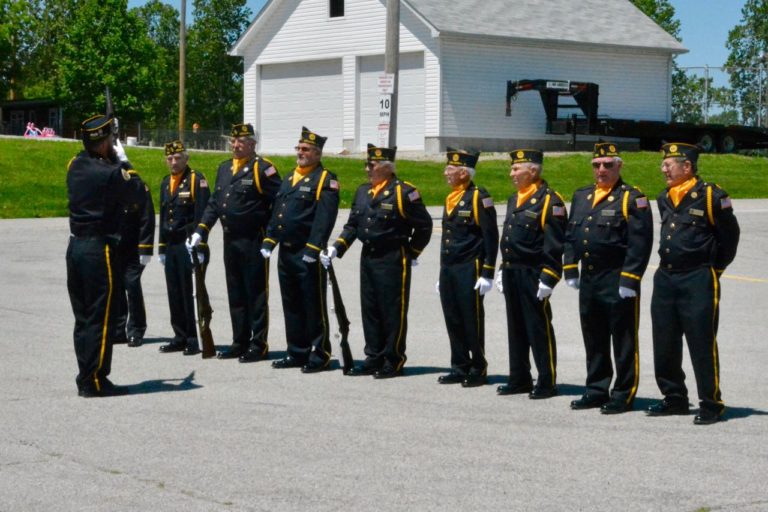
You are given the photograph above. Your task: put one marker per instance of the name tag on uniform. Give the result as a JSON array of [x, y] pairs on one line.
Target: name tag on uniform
[[305, 189], [696, 212], [529, 213], [184, 195], [387, 206], [465, 213], [247, 183], [608, 213]]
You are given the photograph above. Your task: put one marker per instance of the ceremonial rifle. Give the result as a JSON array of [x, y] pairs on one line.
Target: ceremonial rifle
[[341, 315], [203, 309]]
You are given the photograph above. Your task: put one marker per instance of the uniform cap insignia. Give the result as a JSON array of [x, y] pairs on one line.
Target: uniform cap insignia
[[378, 152], [311, 136], [673, 148], [520, 154], [455, 157], [612, 148]]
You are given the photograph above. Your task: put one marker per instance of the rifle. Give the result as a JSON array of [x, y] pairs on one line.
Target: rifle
[[110, 112], [203, 309], [341, 315]]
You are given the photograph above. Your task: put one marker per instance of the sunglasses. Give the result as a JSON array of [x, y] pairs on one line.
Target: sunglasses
[[607, 165], [303, 149]]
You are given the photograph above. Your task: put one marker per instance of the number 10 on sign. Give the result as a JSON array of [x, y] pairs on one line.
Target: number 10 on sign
[[385, 111]]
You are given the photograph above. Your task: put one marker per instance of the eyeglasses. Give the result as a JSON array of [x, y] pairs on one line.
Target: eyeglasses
[[302, 149], [607, 165]]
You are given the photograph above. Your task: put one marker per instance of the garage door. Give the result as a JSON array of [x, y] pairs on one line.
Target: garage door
[[410, 111], [301, 94]]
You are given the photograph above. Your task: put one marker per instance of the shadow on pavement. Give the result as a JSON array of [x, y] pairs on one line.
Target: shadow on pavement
[[410, 371], [737, 413], [150, 341], [164, 385]]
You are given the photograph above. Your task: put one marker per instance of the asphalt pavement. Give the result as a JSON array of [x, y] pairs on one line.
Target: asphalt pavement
[[213, 435]]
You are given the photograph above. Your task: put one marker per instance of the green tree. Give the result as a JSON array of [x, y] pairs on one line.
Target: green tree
[[748, 60], [214, 82], [16, 43], [104, 44]]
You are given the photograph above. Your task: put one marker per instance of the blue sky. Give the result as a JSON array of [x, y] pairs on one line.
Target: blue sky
[[704, 26]]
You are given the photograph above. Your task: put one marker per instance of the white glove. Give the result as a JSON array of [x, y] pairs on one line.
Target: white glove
[[161, 259], [120, 152], [483, 285], [544, 291], [266, 253], [327, 255], [414, 263], [144, 259], [573, 283], [499, 284], [626, 293], [201, 258], [308, 259], [193, 241], [437, 287]]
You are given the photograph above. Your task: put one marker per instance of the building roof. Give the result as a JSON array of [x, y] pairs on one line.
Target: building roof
[[601, 22]]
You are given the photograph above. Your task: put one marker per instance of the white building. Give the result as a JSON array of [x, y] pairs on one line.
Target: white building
[[317, 63]]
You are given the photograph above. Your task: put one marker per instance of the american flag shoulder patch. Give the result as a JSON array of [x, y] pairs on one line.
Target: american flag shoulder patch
[[558, 211], [642, 202], [487, 202], [725, 203], [413, 196], [333, 184], [203, 184], [270, 171]]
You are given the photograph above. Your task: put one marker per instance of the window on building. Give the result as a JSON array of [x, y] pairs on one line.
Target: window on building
[[336, 8]]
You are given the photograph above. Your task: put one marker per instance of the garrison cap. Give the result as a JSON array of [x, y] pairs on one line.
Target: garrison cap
[[381, 154], [242, 130], [603, 149], [461, 158], [527, 156], [171, 148], [309, 137], [96, 128], [681, 149]]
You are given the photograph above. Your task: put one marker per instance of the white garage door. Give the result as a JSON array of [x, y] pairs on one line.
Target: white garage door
[[410, 111], [301, 94]]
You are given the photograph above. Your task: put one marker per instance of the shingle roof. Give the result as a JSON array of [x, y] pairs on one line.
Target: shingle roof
[[603, 22]]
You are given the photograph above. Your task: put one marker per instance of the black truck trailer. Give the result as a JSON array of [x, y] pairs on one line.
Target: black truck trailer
[[710, 137]]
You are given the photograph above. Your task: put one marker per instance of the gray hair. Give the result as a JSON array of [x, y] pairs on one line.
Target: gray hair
[[471, 172]]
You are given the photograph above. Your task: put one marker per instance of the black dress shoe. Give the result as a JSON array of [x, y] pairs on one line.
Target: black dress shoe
[[191, 351], [668, 408], [387, 372], [253, 354], [106, 389], [316, 367], [135, 341], [474, 380], [541, 393], [120, 341], [509, 389], [230, 353], [360, 370], [451, 378], [589, 402], [706, 417], [287, 362], [615, 407], [172, 347]]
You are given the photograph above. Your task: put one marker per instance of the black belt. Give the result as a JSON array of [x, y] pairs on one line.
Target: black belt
[[383, 246]]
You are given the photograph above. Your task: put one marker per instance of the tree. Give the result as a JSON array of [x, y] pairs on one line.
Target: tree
[[748, 59], [214, 90], [16, 43]]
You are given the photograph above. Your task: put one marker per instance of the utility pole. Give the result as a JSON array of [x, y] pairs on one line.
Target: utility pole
[[182, 68], [392, 62]]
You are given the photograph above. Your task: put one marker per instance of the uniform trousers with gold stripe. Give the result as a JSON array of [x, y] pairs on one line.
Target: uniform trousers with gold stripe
[[607, 319], [529, 327], [464, 316], [303, 290], [687, 303], [247, 274], [385, 289], [90, 283]]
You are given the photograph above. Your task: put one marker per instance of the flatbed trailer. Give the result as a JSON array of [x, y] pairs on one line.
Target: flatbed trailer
[[711, 137]]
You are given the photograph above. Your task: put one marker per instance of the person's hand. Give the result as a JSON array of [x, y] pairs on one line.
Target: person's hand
[[573, 283], [144, 259], [327, 255], [120, 151], [201, 258], [437, 287], [544, 291], [499, 284], [483, 285], [308, 259], [161, 259], [626, 293], [414, 263], [266, 253], [193, 241]]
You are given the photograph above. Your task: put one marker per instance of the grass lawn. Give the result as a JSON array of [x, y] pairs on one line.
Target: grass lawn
[[32, 174]]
